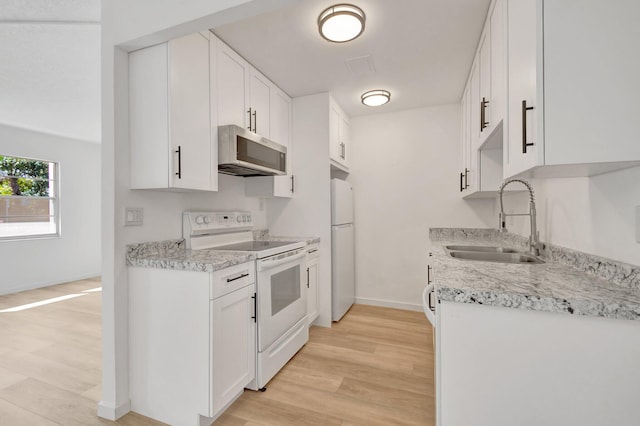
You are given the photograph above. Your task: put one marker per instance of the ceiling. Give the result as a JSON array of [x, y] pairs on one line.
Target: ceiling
[[50, 68], [419, 50]]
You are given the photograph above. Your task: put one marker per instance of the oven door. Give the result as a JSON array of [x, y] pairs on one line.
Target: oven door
[[282, 295]]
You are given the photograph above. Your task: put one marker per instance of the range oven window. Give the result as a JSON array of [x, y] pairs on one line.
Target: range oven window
[[255, 153], [285, 289]]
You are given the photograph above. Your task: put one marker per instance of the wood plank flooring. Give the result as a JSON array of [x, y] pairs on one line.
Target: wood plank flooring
[[374, 367]]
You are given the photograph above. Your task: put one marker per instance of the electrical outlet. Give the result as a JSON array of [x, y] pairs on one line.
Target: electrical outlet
[[133, 216], [638, 224]]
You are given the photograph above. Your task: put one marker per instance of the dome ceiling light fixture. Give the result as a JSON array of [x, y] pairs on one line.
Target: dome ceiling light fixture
[[375, 97], [341, 23]]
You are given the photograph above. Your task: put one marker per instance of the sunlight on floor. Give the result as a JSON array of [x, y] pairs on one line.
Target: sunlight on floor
[[48, 301]]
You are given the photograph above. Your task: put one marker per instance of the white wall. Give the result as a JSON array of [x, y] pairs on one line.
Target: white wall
[[595, 215], [308, 213], [76, 253], [127, 25], [404, 172]]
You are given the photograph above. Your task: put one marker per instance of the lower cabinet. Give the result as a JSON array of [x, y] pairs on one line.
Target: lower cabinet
[[192, 341], [313, 256], [503, 366]]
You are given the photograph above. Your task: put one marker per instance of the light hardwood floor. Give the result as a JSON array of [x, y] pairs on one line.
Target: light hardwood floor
[[374, 367]]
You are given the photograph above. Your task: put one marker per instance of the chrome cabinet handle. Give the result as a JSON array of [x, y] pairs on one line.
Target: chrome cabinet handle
[[292, 184], [483, 107], [250, 122], [179, 172], [461, 180], [307, 277], [525, 144], [429, 268], [466, 178], [255, 121]]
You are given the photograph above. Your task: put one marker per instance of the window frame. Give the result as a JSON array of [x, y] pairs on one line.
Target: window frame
[[54, 185]]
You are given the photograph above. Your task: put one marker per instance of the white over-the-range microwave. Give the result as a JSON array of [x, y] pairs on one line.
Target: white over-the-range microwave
[[244, 153]]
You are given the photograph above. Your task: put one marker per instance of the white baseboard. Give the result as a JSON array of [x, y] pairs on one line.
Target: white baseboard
[[111, 412], [389, 304], [33, 286]]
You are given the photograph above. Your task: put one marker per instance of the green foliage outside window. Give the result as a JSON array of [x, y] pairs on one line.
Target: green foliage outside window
[[24, 177]]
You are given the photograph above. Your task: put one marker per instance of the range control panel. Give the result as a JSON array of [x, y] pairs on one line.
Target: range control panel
[[198, 223]]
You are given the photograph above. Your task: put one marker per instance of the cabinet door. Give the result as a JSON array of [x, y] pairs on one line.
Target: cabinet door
[[233, 87], [335, 149], [345, 140], [485, 123], [312, 293], [471, 174], [260, 93], [189, 124], [280, 115], [523, 122], [233, 345], [498, 64]]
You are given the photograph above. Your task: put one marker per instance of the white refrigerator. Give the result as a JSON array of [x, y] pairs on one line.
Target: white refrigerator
[[343, 282]]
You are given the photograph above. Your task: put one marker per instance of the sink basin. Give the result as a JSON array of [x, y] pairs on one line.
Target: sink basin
[[488, 249], [502, 257]]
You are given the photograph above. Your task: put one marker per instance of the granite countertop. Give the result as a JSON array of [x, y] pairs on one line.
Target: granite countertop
[[173, 254], [568, 282]]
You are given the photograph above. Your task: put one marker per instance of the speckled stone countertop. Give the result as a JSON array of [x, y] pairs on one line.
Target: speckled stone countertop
[[173, 254], [569, 282]]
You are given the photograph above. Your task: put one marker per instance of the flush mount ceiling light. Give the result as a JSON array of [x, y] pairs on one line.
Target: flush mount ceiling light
[[375, 97], [341, 22]]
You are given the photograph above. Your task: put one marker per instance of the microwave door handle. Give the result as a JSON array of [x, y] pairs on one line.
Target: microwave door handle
[[268, 263]]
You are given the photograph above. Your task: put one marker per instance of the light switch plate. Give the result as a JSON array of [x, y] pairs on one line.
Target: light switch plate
[[638, 224], [133, 216]]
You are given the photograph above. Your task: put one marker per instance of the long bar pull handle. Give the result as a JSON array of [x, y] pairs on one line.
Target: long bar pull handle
[[293, 186], [255, 308], [429, 274], [466, 178], [307, 277], [525, 144], [461, 182], [255, 121], [250, 122], [237, 278], [179, 172], [483, 107]]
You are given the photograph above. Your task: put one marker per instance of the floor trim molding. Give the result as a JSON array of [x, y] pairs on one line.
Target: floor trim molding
[[389, 304], [111, 412]]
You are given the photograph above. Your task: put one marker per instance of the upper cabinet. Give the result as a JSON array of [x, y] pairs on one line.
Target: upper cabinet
[[173, 138], [339, 137], [573, 85], [247, 98], [483, 111]]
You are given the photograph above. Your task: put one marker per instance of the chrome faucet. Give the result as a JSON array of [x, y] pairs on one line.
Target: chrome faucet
[[534, 239]]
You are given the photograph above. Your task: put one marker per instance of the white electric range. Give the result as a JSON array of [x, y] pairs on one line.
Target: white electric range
[[281, 291]]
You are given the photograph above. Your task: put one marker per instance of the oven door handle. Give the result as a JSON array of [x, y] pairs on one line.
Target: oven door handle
[[430, 314], [265, 264]]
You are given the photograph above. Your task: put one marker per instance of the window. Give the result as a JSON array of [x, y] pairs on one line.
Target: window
[[28, 198]]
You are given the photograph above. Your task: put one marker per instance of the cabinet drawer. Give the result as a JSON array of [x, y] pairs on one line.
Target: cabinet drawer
[[230, 279]]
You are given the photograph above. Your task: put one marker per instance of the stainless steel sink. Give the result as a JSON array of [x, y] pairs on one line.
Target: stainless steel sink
[[501, 257], [489, 249]]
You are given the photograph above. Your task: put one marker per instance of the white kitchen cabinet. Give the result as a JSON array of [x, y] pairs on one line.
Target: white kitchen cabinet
[[280, 127], [313, 257], [484, 113], [173, 144], [339, 136], [572, 87], [192, 341], [260, 104], [502, 366], [232, 82]]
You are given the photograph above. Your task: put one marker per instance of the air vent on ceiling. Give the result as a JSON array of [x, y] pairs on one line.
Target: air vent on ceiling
[[361, 65]]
